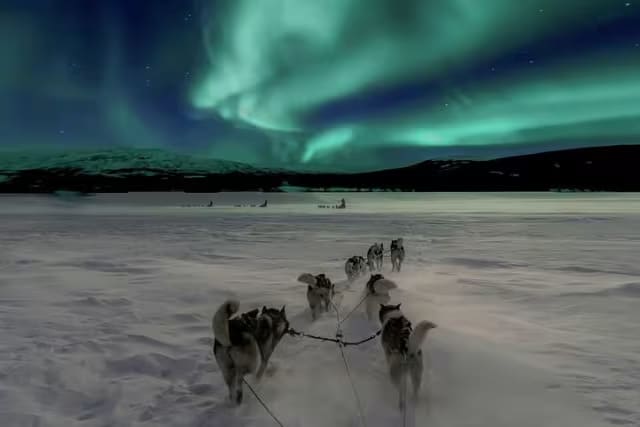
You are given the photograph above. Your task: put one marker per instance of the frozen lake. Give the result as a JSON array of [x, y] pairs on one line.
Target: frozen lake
[[106, 305]]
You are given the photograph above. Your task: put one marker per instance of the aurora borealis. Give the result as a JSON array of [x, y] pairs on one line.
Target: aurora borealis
[[325, 84]]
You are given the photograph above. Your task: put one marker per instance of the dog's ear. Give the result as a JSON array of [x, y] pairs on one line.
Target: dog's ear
[[282, 309], [264, 309], [398, 306], [381, 305]]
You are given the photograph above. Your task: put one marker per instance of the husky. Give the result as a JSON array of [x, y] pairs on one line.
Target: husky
[[355, 267], [320, 292], [401, 344], [397, 254], [376, 292], [239, 341], [375, 257]]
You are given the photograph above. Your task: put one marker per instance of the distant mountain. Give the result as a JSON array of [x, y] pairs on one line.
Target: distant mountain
[[115, 170], [613, 168], [118, 162]]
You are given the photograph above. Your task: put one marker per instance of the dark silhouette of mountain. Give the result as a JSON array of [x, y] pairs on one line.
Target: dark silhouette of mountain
[[612, 168]]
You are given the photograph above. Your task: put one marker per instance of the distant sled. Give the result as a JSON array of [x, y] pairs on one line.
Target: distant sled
[[262, 205], [342, 205], [208, 205]]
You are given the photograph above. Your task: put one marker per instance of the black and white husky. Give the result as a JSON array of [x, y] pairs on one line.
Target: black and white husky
[[375, 256], [376, 292], [355, 267], [397, 254], [319, 293], [241, 340], [402, 349]]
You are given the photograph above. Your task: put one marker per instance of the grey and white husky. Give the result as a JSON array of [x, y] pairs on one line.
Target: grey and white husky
[[320, 292], [375, 256], [397, 254], [355, 267], [240, 340], [402, 349], [376, 292]]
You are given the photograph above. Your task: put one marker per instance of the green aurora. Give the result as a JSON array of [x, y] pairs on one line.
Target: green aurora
[[325, 84], [277, 61]]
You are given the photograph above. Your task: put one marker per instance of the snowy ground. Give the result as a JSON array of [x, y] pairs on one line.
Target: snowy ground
[[105, 308]]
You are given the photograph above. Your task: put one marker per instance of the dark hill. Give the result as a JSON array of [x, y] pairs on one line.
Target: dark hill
[[613, 168]]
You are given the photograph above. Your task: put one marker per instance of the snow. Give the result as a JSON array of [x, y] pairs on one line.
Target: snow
[[106, 302]]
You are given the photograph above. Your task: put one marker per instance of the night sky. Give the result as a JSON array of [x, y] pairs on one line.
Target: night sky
[[323, 84]]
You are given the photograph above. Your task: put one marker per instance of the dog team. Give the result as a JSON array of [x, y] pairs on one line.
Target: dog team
[[244, 343]]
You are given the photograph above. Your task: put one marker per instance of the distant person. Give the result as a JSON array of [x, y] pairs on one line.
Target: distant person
[[264, 204], [210, 203], [343, 204]]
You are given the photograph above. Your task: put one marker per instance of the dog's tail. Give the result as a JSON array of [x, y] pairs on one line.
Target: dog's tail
[[309, 279], [220, 321], [418, 336], [383, 286]]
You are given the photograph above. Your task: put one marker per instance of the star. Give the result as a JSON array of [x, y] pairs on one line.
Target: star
[[627, 4], [61, 131]]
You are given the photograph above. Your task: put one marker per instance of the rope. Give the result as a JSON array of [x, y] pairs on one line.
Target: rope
[[346, 365], [264, 405], [348, 343], [353, 387], [293, 332], [354, 309], [337, 312], [404, 386], [341, 344], [338, 339]]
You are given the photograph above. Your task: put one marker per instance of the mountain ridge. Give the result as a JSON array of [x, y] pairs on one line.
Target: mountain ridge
[[609, 168], [114, 159]]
